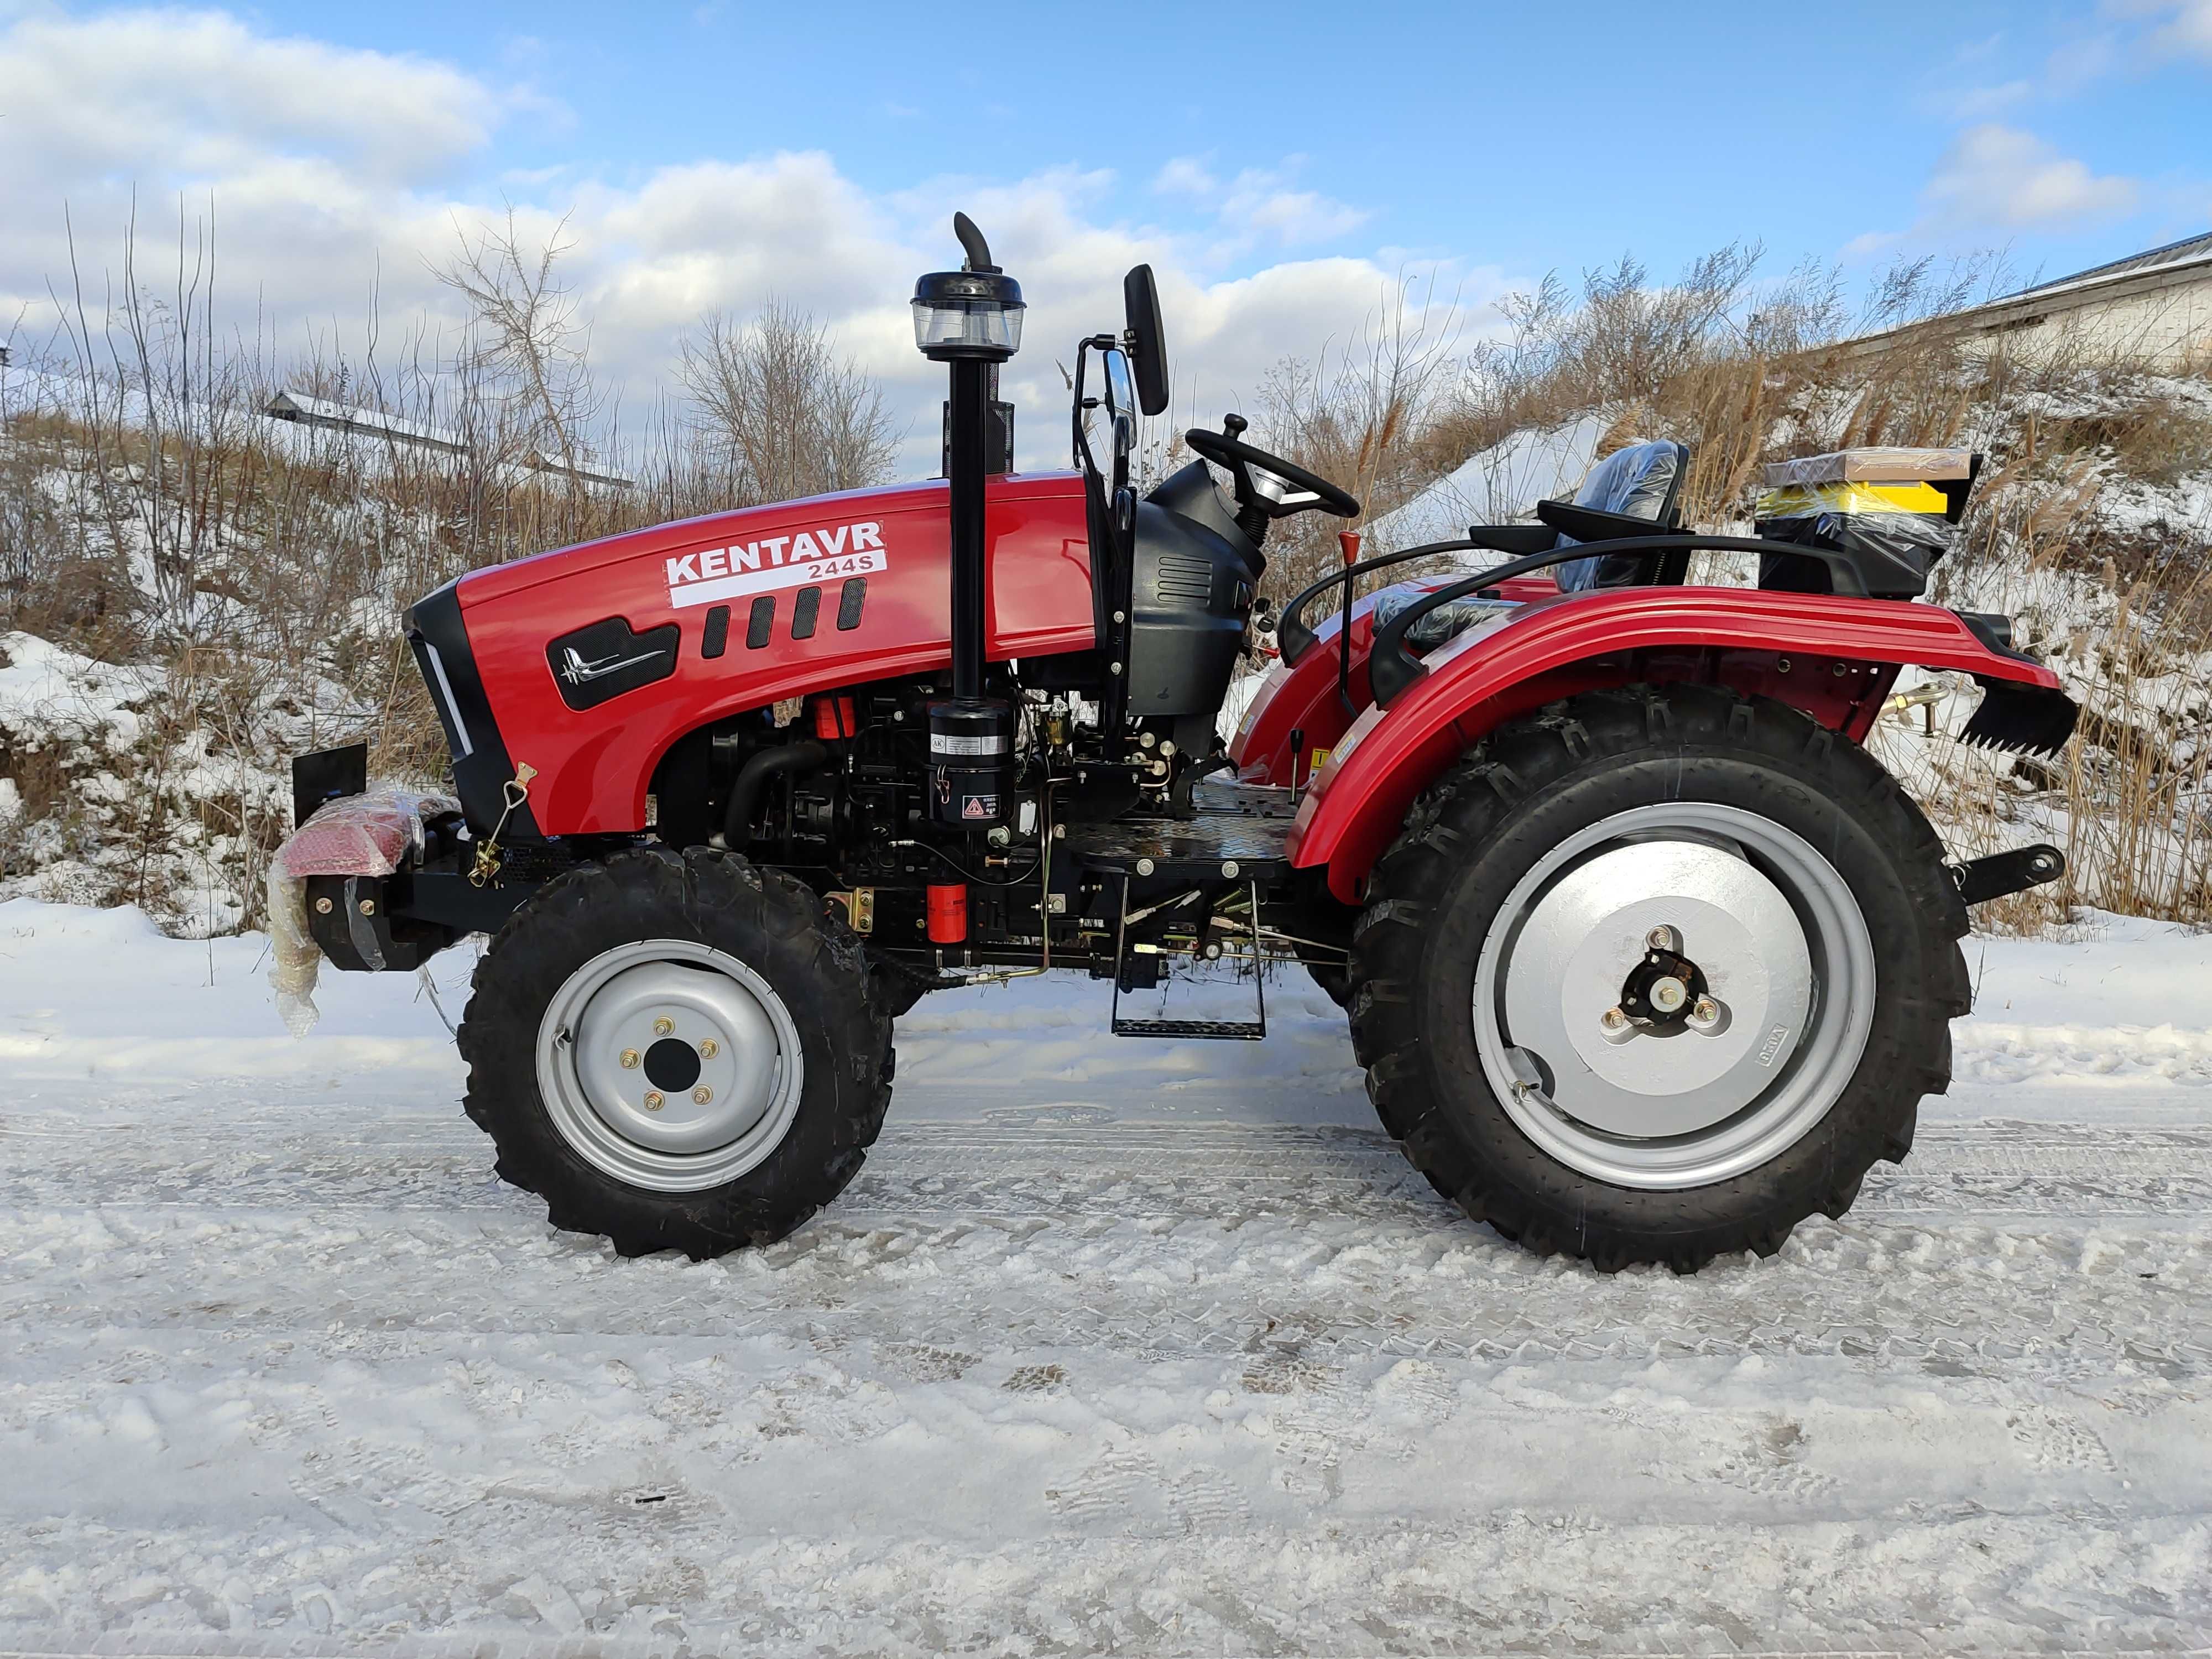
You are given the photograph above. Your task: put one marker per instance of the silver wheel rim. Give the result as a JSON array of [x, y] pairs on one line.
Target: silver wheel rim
[[1780, 944], [613, 1071]]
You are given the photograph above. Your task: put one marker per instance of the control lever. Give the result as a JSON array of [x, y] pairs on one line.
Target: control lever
[[1348, 543]]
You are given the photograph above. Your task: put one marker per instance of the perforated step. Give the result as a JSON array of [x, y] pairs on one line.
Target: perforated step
[[1204, 1030]]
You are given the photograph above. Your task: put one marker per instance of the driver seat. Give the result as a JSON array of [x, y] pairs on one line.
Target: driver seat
[[1641, 480]]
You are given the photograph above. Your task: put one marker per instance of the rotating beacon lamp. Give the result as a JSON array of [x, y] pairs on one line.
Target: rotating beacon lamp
[[971, 320]]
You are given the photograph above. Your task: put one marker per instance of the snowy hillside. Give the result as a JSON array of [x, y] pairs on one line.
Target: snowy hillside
[[1144, 1346]]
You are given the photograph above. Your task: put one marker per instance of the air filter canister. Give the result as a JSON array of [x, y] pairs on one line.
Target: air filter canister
[[971, 759]]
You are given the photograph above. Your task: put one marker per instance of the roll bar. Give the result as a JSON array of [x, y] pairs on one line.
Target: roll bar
[[1391, 668], [1295, 639]]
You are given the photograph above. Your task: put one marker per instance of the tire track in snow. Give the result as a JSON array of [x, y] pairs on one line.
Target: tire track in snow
[[2075, 1250], [923, 1169], [1238, 1388]]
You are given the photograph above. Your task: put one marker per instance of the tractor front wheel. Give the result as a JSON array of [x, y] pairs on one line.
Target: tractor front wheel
[[1657, 973], [677, 1051]]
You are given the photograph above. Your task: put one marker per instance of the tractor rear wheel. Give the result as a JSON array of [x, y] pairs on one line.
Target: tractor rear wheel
[[1657, 973], [677, 1051]]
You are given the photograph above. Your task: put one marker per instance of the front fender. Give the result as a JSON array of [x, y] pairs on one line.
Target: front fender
[[1834, 657]]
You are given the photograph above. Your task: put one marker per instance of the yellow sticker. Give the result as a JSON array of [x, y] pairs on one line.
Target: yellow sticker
[[1320, 759]]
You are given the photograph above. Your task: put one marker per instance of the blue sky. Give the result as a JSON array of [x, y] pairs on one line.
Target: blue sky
[[1282, 164], [1522, 136]]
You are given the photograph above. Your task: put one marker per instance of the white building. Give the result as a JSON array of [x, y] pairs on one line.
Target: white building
[[2154, 308]]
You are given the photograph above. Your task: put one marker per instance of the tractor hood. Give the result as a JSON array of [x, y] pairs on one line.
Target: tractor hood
[[593, 660]]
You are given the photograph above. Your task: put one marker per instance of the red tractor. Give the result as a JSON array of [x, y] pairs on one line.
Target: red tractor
[[1645, 957]]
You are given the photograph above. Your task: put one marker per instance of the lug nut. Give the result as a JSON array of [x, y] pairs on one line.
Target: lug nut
[[1706, 1012], [652, 1100], [1659, 939], [1612, 1019], [664, 1026], [701, 1095], [709, 1049], [630, 1059]]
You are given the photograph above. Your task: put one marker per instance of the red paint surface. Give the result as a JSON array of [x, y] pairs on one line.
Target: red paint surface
[[1574, 643], [594, 765]]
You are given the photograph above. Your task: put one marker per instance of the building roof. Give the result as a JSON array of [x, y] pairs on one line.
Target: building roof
[[2185, 263], [307, 411], [2188, 250]]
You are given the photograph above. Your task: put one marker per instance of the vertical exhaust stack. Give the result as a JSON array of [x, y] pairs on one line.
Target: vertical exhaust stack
[[971, 320]]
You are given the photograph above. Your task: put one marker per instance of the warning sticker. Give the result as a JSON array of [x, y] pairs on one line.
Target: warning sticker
[[979, 806]]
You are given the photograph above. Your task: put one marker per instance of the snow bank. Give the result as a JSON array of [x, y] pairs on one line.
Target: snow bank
[[1495, 485]]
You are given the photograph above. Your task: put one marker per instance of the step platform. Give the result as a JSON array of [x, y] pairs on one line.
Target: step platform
[[1236, 836]]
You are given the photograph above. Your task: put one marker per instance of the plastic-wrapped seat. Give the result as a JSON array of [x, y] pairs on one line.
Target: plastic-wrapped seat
[[1441, 623], [1644, 481]]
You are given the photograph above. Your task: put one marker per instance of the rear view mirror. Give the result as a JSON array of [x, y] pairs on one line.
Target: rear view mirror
[[1147, 342]]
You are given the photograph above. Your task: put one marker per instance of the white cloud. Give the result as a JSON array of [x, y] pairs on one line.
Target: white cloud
[[1259, 204], [203, 96], [333, 171], [2179, 28], [1996, 175], [1186, 176]]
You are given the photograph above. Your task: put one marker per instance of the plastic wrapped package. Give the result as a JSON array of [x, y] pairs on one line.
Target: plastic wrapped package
[[1642, 480], [1895, 510], [365, 835], [1871, 464]]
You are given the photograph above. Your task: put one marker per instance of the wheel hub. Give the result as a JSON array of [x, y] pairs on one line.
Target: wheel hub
[[670, 1064], [672, 1014], [1583, 952]]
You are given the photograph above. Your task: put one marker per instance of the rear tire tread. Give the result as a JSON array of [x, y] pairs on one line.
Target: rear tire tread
[[1466, 807]]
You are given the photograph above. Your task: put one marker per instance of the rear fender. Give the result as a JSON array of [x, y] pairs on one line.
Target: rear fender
[[1835, 658]]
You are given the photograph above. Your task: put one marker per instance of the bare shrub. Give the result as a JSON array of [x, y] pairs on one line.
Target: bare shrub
[[778, 412], [529, 343]]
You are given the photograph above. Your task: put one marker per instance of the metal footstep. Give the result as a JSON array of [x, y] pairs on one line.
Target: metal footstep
[[1205, 1030]]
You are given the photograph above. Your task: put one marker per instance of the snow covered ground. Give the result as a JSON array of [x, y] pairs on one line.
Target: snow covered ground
[[1140, 1346]]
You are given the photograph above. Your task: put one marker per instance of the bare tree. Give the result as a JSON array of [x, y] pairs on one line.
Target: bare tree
[[528, 335], [783, 414]]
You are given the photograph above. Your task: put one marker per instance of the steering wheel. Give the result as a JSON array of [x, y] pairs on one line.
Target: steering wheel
[[1266, 482]]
